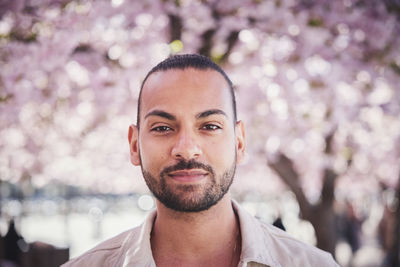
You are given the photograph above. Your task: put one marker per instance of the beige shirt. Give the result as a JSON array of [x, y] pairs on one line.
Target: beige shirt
[[262, 245]]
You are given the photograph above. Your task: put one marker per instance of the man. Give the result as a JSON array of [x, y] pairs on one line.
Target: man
[[188, 141]]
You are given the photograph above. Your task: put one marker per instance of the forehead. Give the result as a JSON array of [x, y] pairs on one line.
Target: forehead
[[189, 90]]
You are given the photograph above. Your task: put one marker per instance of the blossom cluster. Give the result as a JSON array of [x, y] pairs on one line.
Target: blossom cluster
[[71, 70]]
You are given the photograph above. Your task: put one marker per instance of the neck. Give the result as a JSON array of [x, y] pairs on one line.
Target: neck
[[207, 238]]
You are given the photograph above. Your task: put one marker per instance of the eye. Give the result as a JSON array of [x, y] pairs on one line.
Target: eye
[[210, 127], [161, 129]]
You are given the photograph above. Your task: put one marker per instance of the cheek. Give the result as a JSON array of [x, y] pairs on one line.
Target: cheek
[[153, 155], [221, 153]]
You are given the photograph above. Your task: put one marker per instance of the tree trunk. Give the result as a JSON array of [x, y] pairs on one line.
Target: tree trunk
[[321, 215], [395, 249]]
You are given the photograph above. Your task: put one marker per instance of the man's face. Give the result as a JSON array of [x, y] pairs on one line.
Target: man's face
[[187, 145]]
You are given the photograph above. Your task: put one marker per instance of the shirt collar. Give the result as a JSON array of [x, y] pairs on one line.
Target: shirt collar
[[137, 246], [255, 243]]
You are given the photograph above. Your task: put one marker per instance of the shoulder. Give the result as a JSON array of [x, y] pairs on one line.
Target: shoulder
[[104, 254], [289, 251], [265, 244]]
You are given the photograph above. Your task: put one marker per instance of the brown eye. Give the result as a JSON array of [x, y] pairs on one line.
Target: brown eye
[[161, 129], [211, 127]]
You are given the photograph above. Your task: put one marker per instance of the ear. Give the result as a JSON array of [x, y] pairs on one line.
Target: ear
[[240, 141], [133, 135]]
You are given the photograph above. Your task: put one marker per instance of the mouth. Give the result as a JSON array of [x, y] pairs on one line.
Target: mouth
[[188, 176]]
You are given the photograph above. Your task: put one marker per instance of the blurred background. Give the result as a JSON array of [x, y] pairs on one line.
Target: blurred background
[[317, 86]]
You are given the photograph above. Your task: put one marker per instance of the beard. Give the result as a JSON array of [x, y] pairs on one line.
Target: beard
[[190, 197]]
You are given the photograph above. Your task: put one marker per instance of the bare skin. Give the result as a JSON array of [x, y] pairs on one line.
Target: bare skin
[[207, 239], [190, 131]]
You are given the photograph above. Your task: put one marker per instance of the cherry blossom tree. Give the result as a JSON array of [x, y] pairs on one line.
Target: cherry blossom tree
[[316, 83]]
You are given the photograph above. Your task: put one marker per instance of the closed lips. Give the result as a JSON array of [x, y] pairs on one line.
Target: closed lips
[[188, 175]]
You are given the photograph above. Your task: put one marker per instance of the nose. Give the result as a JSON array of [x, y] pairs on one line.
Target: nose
[[186, 147]]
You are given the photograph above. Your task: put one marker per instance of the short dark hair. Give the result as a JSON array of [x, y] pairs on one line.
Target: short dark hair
[[185, 61]]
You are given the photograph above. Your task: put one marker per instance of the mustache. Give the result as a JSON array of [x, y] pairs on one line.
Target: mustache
[[187, 165]]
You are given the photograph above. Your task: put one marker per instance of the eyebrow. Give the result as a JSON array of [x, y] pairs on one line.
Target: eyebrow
[[162, 114], [210, 112], [171, 117]]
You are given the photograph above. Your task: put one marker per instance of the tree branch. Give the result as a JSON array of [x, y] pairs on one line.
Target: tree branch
[[175, 27], [328, 188], [231, 41], [285, 169]]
